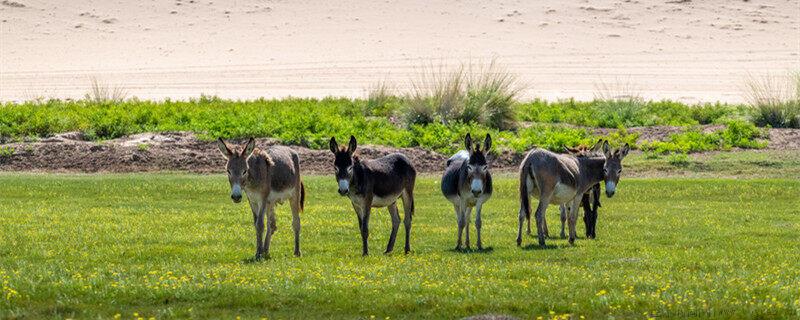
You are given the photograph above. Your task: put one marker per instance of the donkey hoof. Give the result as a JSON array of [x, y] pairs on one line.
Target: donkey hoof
[[519, 242], [387, 251], [458, 248], [297, 254], [572, 241]]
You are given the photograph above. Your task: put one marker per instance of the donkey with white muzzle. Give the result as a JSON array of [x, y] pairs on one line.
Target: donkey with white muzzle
[[467, 183], [268, 178], [376, 183], [563, 179]]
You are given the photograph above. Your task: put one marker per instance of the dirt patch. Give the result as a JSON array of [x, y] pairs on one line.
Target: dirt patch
[[172, 151], [182, 151], [655, 133]]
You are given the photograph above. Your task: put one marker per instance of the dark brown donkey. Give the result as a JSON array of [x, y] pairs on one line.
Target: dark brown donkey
[[268, 178], [374, 184], [467, 183], [563, 179]]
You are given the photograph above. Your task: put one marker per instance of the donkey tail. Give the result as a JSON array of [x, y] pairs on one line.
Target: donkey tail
[[302, 196], [524, 194]]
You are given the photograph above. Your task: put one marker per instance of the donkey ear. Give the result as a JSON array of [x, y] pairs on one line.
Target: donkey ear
[[353, 144], [598, 146], [249, 147], [468, 142], [487, 143], [624, 151], [606, 149], [223, 148], [333, 145]]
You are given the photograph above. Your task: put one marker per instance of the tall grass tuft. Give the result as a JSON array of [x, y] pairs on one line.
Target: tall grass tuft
[[775, 103], [491, 97], [620, 106], [436, 94], [104, 94], [472, 93], [381, 100]]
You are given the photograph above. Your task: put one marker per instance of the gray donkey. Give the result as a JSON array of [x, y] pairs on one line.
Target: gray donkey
[[591, 199], [268, 178], [563, 179], [467, 183], [374, 184]]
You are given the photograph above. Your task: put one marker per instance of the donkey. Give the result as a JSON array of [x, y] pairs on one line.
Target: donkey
[[467, 183], [590, 200], [268, 178], [375, 184], [563, 179]]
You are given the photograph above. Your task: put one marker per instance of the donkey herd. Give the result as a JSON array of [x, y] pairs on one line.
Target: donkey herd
[[270, 177]]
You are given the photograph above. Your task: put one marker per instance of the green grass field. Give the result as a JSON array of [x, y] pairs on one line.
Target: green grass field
[[169, 245]]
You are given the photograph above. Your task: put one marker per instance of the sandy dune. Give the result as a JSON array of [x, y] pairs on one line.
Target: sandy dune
[[681, 49]]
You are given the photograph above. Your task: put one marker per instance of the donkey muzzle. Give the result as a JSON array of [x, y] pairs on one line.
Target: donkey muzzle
[[476, 187], [344, 187], [611, 188], [236, 193]]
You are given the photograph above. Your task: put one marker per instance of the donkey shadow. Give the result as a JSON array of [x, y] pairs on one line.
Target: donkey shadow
[[534, 246], [485, 250], [253, 260]]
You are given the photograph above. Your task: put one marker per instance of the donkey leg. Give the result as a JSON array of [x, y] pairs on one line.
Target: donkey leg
[[522, 218], [541, 210], [273, 222], [295, 203], [478, 224], [467, 218], [563, 209], [270, 212], [545, 227], [259, 224], [529, 225], [365, 232], [573, 219], [460, 220], [408, 214], [395, 225]]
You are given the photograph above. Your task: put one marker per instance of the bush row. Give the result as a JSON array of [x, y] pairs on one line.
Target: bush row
[[311, 122]]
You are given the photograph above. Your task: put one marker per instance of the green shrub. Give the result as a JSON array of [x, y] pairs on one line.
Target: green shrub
[[7, 152], [625, 112], [737, 134], [775, 103]]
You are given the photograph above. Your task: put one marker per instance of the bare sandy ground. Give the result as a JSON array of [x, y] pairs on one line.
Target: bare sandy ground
[[688, 50], [182, 151]]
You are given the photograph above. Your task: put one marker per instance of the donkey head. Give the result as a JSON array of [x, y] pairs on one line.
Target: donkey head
[[477, 167], [237, 165], [343, 163], [613, 166]]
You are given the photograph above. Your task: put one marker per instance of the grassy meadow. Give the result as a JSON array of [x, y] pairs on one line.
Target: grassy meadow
[[174, 245]]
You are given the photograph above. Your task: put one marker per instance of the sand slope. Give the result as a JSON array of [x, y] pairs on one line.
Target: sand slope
[[686, 50]]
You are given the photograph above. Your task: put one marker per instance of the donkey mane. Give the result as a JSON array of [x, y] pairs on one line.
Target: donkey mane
[[264, 155]]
